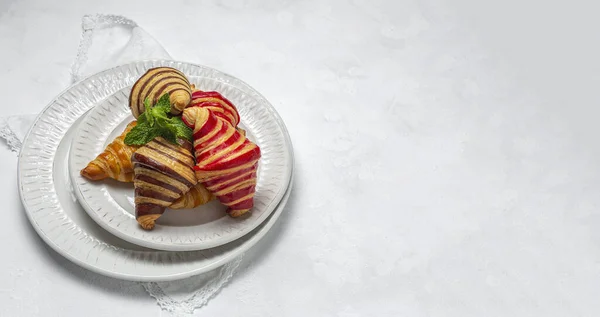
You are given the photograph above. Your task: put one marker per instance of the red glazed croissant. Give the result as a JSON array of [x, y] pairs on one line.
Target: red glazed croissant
[[216, 103], [226, 159]]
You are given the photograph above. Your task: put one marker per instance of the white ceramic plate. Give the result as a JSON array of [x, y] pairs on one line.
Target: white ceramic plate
[[110, 203], [52, 208]]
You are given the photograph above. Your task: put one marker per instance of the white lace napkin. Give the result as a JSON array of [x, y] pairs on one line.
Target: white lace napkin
[[107, 41]]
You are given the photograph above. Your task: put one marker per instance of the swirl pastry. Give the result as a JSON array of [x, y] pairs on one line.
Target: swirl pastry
[[114, 162], [226, 159], [155, 83], [216, 103], [163, 173]]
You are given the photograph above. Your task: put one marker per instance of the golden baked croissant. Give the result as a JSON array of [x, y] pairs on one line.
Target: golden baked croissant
[[155, 83], [114, 162], [198, 195], [163, 173], [226, 159]]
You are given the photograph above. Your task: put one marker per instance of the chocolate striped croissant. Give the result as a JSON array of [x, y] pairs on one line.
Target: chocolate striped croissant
[[163, 173], [114, 161], [155, 83], [226, 159]]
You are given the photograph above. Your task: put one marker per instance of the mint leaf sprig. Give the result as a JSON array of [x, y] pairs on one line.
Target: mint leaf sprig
[[157, 122]]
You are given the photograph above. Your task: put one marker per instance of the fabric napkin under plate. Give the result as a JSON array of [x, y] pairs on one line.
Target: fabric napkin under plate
[[108, 41]]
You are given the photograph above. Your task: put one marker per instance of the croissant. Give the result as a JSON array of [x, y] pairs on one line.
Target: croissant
[[219, 105], [163, 173], [114, 162], [156, 82], [226, 159], [198, 195]]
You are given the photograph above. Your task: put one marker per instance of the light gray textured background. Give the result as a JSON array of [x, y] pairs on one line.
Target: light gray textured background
[[447, 154]]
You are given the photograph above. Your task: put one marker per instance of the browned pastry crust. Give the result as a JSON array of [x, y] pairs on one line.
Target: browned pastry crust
[[198, 195], [114, 162], [147, 222]]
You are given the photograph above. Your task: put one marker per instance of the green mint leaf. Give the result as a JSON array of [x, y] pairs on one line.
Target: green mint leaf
[[149, 117], [161, 121], [164, 99], [181, 130], [163, 104], [160, 112], [142, 119], [140, 135], [146, 118], [169, 134], [156, 121]]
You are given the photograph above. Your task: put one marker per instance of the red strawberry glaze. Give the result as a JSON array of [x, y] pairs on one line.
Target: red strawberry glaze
[[220, 150]]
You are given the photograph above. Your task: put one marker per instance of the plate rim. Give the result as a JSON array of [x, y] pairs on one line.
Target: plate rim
[[269, 222]]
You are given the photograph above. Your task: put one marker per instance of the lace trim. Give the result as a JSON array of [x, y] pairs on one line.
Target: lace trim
[[88, 24], [200, 297], [6, 133]]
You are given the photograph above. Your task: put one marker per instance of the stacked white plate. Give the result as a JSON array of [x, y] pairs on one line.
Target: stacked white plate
[[93, 223]]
